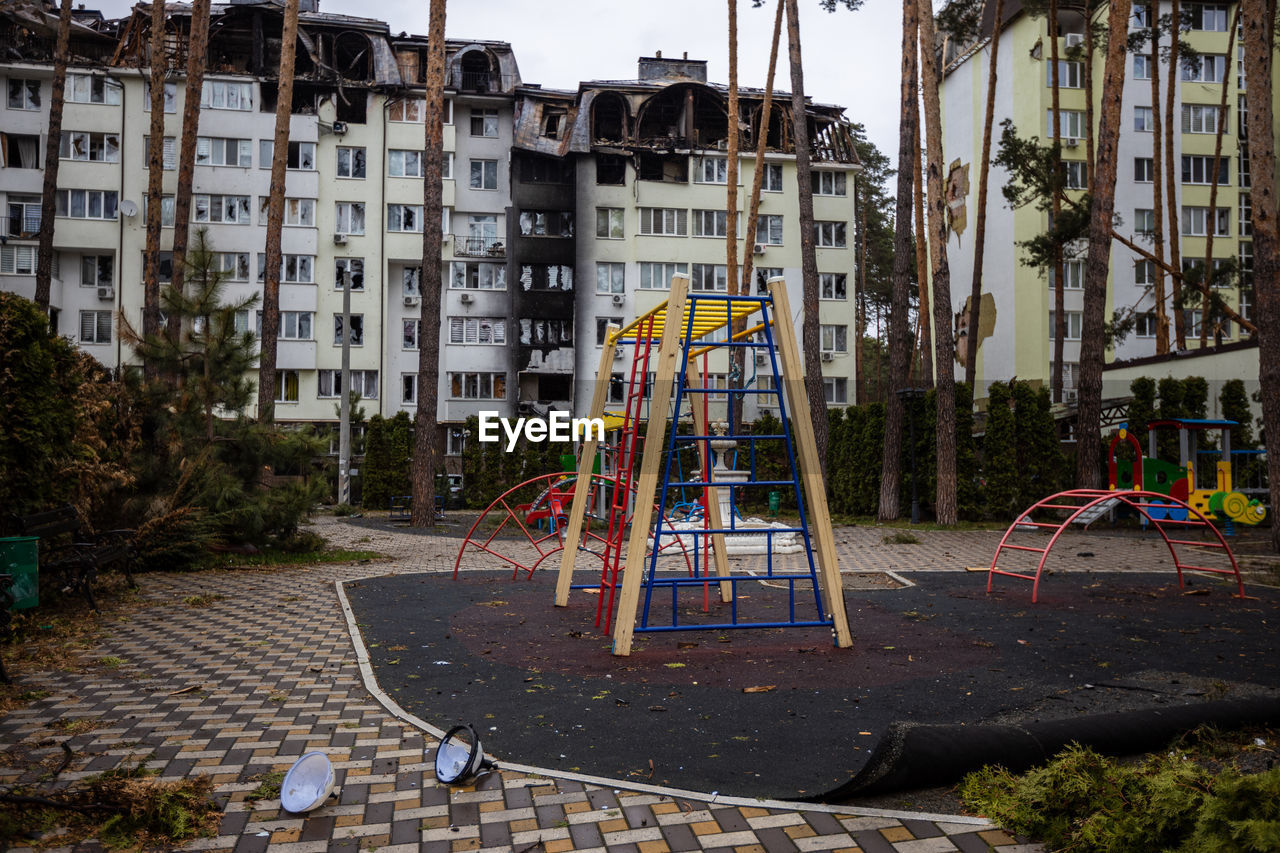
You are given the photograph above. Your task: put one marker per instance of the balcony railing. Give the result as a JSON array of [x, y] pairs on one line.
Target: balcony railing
[[484, 81], [478, 247], [21, 227]]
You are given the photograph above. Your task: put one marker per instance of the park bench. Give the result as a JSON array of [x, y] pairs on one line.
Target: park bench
[[402, 508], [68, 550]]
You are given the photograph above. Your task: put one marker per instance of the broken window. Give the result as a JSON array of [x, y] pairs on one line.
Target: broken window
[[24, 94], [357, 331], [546, 170], [772, 179], [546, 277], [354, 104], [477, 72], [553, 120], [769, 229], [350, 217], [829, 235], [609, 118], [546, 223], [408, 110], [22, 151], [348, 269], [350, 162], [234, 266], [484, 174], [404, 217], [168, 153], [225, 95], [96, 270], [484, 123], [402, 163], [672, 168], [611, 169], [216, 151], [832, 285], [411, 66], [478, 386], [477, 276], [90, 89], [541, 332], [411, 281]]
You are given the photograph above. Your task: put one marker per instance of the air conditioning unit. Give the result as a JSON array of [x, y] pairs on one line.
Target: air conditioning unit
[[106, 292], [617, 299], [339, 239], [828, 356], [466, 298], [339, 127], [758, 249], [1071, 143], [1073, 39], [411, 300], [1070, 395], [619, 355], [762, 358]]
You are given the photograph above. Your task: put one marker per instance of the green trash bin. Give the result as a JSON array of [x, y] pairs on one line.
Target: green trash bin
[[18, 557], [775, 503]]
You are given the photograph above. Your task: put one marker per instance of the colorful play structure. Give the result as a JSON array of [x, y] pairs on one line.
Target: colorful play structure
[[627, 520], [1164, 495]]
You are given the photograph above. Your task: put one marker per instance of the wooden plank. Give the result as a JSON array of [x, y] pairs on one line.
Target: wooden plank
[[634, 565], [815, 489], [719, 553], [578, 511]]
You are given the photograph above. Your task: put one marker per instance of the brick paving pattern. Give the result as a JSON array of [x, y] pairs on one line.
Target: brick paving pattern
[[242, 686]]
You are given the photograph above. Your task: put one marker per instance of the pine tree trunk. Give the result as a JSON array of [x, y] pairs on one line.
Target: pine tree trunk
[[1059, 294], [426, 447], [924, 333], [944, 347], [737, 355], [980, 227], [1205, 304], [1102, 210], [275, 221], [811, 329], [155, 186], [52, 153], [899, 343], [1157, 189], [1173, 226], [197, 59], [1259, 29]]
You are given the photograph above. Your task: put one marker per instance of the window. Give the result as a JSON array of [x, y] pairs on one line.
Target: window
[[834, 338], [302, 156], [24, 94], [348, 269], [93, 147], [539, 332], [664, 221], [657, 275], [1200, 118], [86, 204], [546, 223], [90, 89], [478, 386], [1144, 220], [1206, 68], [1195, 221], [1075, 174], [286, 386], [95, 327], [1144, 325], [1208, 17], [300, 212], [1246, 215], [1245, 261], [234, 266], [410, 110], [610, 278], [484, 174], [213, 151], [294, 269], [553, 121], [409, 334], [484, 123], [295, 326], [165, 270], [1072, 123], [350, 218], [21, 150], [96, 270], [231, 209], [446, 166], [1073, 275], [1144, 272], [763, 274], [167, 211], [710, 223], [350, 162], [402, 163], [602, 327], [1193, 269], [1074, 320], [609, 223], [710, 277], [835, 389], [1141, 66], [404, 217], [829, 235], [769, 229], [357, 330], [18, 260], [1242, 168], [363, 382], [477, 330], [831, 285], [24, 216], [477, 276], [226, 95], [772, 179], [711, 170], [1142, 119], [829, 183], [1246, 304], [1070, 74], [1140, 17], [168, 153], [409, 389], [1142, 170], [1198, 169], [456, 441]]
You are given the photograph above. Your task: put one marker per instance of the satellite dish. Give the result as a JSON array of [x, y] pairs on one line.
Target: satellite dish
[[129, 208]]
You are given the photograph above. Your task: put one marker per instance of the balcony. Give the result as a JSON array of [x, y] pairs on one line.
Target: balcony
[[484, 82], [478, 247], [21, 227]]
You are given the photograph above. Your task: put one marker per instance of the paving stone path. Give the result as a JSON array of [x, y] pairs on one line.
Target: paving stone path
[[243, 685]]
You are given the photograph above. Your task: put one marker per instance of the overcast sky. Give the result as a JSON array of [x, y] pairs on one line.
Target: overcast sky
[[850, 58]]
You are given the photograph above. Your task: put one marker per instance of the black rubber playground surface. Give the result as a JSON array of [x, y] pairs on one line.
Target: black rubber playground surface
[[782, 713]]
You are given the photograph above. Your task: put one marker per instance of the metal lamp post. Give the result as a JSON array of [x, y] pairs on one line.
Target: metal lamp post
[[344, 404]]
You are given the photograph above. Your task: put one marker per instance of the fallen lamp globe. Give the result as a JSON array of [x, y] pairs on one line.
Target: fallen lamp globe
[[459, 756], [308, 783]]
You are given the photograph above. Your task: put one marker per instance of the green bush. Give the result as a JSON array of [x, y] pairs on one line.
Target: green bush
[[1000, 455], [1142, 408]]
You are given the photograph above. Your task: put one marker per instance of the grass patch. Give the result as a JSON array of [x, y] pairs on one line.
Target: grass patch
[[901, 537], [274, 557], [76, 726], [202, 600], [268, 786], [111, 662]]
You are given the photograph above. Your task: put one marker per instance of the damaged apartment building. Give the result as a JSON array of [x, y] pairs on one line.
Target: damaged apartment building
[[564, 210]]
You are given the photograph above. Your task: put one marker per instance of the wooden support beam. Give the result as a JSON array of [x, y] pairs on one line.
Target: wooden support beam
[[633, 569], [578, 511], [718, 550], [815, 489]]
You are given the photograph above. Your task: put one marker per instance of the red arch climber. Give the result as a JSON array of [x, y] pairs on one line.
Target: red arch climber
[[1056, 512]]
